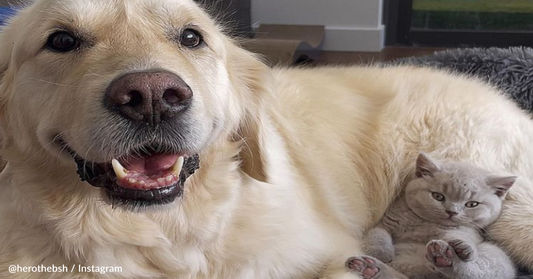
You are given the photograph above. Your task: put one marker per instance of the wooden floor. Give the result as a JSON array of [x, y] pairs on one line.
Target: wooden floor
[[387, 54]]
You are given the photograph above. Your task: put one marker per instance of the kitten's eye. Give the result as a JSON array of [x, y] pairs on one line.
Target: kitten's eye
[[190, 38], [472, 204], [438, 196], [62, 42]]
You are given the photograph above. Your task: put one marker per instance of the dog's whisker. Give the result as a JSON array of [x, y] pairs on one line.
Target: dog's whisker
[[95, 74], [56, 83]]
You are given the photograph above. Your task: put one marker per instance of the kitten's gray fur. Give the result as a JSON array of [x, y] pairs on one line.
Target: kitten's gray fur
[[429, 232]]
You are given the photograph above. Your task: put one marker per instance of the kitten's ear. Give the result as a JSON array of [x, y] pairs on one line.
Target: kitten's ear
[[425, 166], [501, 184]]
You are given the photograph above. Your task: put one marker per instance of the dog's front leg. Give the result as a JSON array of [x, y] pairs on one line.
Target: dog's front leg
[[343, 248], [336, 270]]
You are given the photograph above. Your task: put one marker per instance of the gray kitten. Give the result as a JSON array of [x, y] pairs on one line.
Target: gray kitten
[[434, 229]]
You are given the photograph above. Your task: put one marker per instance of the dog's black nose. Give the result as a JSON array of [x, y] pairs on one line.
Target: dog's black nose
[[149, 96]]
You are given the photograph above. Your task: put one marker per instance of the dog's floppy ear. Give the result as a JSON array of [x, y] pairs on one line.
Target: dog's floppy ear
[[252, 81], [8, 33], [251, 154]]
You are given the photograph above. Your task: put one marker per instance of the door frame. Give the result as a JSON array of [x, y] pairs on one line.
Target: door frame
[[397, 18]]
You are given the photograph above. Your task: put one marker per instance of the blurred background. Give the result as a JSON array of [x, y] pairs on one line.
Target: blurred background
[[359, 31], [362, 31]]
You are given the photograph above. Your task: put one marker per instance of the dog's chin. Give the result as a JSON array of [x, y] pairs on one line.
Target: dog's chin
[[140, 179]]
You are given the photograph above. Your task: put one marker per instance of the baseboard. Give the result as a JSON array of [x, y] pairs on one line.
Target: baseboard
[[354, 39]]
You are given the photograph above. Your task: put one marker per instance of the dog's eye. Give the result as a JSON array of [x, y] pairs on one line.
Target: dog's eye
[[190, 38], [62, 42]]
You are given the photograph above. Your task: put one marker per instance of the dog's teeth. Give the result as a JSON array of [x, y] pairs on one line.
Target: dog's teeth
[[132, 181], [161, 180], [169, 178], [176, 168], [120, 171]]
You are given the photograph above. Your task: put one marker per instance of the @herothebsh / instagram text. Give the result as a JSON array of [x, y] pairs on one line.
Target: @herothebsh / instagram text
[[76, 268]]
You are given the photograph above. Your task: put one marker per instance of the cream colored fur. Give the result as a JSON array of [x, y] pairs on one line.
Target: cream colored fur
[[323, 151]]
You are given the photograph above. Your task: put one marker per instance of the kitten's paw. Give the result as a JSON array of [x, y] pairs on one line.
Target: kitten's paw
[[364, 266], [464, 250], [440, 253]]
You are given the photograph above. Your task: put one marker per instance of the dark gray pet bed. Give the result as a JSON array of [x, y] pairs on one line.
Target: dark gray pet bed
[[510, 69]]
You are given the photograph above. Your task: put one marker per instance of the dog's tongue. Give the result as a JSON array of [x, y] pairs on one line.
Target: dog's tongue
[[150, 164]]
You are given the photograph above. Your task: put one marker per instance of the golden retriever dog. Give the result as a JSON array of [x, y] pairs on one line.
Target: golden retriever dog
[[139, 136]]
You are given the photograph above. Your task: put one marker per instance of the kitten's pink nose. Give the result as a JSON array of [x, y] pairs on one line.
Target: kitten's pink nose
[[451, 213]]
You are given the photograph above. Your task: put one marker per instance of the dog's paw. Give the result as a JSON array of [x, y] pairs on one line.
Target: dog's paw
[[440, 253], [364, 266]]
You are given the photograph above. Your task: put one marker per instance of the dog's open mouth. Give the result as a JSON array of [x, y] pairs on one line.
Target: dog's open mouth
[[150, 172], [142, 177]]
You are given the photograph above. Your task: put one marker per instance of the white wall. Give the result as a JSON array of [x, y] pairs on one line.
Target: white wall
[[351, 25]]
